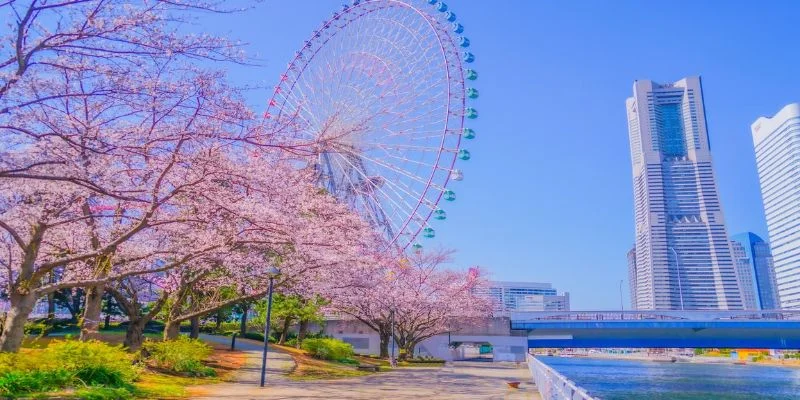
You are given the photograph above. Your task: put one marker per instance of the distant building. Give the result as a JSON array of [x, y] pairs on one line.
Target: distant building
[[744, 272], [778, 158], [525, 296], [632, 275], [683, 256], [755, 257]]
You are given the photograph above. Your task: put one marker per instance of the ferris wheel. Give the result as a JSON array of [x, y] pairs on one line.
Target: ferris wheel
[[379, 94]]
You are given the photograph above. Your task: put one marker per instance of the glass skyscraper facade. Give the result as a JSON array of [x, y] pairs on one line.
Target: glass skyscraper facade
[[757, 276], [682, 255], [777, 146]]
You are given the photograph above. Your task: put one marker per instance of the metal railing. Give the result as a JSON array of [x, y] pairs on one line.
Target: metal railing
[[661, 315], [554, 386]]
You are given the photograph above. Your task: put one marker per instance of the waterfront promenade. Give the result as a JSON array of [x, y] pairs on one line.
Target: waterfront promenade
[[460, 380]]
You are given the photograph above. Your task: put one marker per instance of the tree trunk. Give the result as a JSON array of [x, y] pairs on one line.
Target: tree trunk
[[302, 331], [134, 336], [76, 308], [14, 326], [51, 312], [107, 321], [409, 350], [243, 327], [285, 330], [91, 313], [172, 330], [218, 320], [195, 333], [386, 337]]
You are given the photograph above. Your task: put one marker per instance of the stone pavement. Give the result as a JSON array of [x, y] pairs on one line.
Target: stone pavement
[[461, 380]]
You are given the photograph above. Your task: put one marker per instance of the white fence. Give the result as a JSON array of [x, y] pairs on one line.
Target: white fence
[[552, 385]]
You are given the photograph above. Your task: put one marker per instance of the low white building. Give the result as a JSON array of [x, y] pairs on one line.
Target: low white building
[[525, 296]]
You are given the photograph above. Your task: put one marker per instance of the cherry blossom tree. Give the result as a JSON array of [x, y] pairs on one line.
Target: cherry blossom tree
[[107, 132], [420, 296]]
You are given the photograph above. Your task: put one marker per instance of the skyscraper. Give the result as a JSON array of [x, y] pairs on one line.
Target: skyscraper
[[683, 256], [759, 269], [745, 274], [778, 159]]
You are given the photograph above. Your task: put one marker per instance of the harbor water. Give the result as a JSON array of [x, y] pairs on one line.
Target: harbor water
[[628, 380]]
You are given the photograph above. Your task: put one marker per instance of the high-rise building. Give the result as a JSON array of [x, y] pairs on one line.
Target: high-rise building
[[745, 274], [778, 158], [525, 296], [754, 255], [683, 256], [632, 275]]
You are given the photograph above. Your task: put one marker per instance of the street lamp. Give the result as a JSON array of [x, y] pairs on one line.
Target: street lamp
[[272, 272], [621, 302], [678, 270]]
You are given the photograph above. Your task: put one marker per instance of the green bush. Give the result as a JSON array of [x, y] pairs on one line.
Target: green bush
[[328, 349], [182, 355], [15, 383], [66, 364], [426, 360]]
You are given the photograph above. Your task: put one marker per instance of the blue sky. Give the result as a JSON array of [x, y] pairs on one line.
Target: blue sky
[[547, 194]]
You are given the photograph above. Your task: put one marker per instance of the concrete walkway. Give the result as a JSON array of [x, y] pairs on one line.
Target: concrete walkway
[[246, 381], [461, 380]]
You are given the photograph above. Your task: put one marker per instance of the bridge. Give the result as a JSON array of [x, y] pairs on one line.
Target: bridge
[[763, 329]]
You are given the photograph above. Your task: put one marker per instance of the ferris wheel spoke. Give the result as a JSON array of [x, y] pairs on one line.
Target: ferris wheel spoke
[[396, 207], [375, 92]]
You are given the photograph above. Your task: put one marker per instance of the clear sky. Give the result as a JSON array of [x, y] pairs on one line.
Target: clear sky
[[547, 195]]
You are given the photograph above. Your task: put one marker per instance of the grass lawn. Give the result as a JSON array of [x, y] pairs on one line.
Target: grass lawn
[[150, 383]]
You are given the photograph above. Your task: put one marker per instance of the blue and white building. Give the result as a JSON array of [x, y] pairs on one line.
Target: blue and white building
[[756, 272], [777, 147], [683, 257]]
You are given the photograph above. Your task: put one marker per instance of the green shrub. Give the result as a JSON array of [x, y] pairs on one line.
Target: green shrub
[[35, 328], [257, 336], [182, 355], [66, 364], [426, 360], [92, 357], [19, 382], [254, 336], [328, 349]]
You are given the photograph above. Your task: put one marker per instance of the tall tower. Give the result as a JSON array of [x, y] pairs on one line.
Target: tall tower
[[683, 256], [778, 159]]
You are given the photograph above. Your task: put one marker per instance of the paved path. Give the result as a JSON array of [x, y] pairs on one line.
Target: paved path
[[247, 379], [460, 381]]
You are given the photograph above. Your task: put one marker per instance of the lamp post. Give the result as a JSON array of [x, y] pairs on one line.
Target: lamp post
[[621, 302], [272, 272], [678, 270]]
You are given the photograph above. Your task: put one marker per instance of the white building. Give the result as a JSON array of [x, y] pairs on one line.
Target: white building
[[777, 146], [683, 257], [526, 296]]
